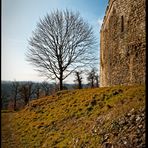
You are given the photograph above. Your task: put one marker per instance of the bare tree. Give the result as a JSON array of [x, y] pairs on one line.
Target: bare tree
[[78, 79], [61, 43], [97, 80], [91, 77], [26, 91], [37, 90], [46, 87], [15, 91]]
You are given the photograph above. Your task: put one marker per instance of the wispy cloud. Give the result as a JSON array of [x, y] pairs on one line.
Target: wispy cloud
[[100, 21]]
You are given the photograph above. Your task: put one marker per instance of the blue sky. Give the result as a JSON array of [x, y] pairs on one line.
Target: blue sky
[[19, 18]]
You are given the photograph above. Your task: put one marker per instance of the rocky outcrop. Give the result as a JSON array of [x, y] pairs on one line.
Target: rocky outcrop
[[128, 131]]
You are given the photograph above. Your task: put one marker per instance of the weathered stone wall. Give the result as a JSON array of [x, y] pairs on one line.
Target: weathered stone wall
[[122, 43]]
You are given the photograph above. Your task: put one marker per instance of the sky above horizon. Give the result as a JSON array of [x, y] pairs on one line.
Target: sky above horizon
[[19, 19]]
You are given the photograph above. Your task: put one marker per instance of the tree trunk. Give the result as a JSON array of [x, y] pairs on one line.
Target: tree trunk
[[97, 83], [61, 81], [92, 83], [61, 84], [80, 85], [14, 104], [79, 81], [26, 100]]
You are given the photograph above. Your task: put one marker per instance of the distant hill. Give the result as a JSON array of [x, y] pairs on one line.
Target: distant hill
[[91, 118]]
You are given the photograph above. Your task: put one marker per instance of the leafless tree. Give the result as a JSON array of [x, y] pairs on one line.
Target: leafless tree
[[61, 43], [91, 77], [37, 89], [46, 87], [15, 91], [97, 80], [26, 91], [78, 79]]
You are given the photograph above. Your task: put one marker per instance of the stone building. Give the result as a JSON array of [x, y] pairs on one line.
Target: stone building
[[122, 43]]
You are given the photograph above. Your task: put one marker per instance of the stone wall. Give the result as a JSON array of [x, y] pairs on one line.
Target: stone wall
[[122, 43]]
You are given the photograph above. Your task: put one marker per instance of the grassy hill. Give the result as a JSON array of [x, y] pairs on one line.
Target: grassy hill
[[90, 118]]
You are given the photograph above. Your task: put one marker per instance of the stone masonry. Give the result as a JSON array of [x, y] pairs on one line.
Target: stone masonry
[[123, 44]]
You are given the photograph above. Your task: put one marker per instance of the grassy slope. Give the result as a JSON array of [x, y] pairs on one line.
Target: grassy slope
[[68, 118]]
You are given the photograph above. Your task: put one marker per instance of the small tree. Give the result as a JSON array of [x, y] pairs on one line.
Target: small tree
[[91, 77], [37, 89], [15, 91], [97, 80], [61, 43], [78, 79], [26, 92], [46, 88]]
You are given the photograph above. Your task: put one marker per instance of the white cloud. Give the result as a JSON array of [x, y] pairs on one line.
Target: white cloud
[[100, 21]]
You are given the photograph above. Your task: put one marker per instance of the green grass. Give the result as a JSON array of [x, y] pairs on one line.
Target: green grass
[[68, 118]]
